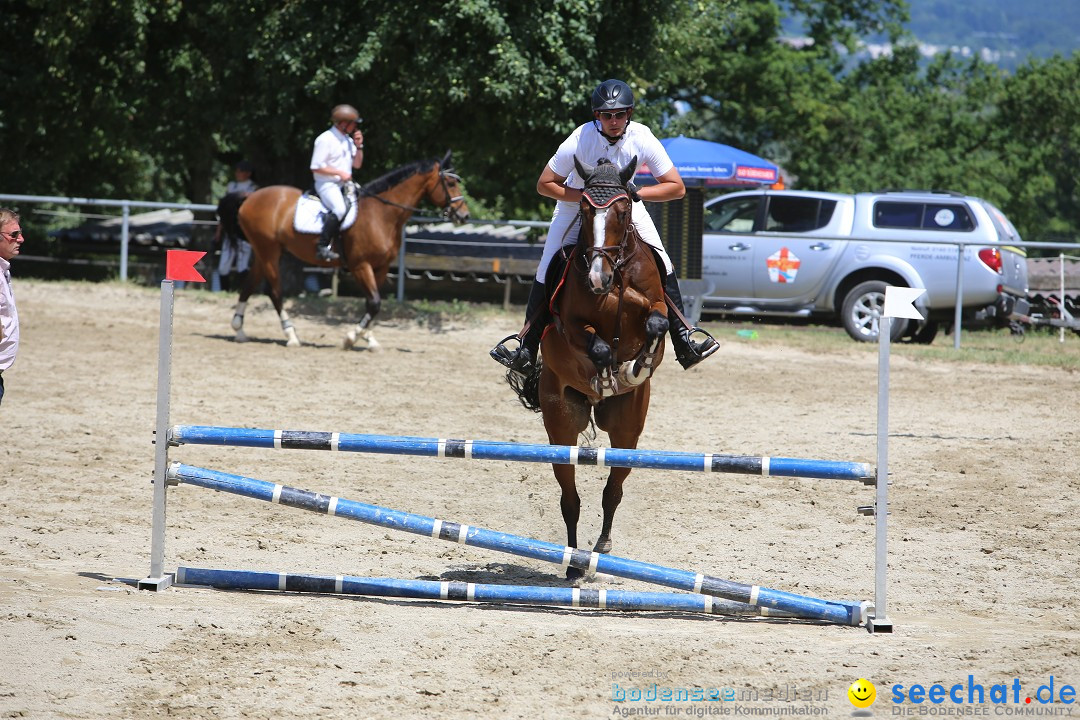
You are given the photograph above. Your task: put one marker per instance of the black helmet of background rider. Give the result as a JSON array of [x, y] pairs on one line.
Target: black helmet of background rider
[[612, 95], [344, 113]]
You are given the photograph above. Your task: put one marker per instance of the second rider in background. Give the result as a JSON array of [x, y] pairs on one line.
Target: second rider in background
[[338, 153]]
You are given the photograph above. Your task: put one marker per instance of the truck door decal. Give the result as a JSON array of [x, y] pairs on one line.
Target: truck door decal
[[783, 266]]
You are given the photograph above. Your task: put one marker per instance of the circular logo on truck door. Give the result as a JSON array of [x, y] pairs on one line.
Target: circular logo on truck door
[[944, 217]]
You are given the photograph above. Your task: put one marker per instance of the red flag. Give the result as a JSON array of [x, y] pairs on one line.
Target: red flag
[[180, 265]]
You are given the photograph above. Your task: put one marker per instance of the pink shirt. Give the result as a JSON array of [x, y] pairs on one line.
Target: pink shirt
[[9, 319]]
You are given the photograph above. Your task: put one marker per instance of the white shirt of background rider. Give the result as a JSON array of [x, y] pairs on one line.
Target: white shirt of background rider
[[589, 146], [334, 150]]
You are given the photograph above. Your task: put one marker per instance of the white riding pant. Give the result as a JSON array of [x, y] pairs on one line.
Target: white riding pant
[[234, 252], [565, 225], [330, 193]]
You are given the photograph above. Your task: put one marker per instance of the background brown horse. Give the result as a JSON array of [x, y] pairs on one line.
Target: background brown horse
[[608, 338], [367, 247]]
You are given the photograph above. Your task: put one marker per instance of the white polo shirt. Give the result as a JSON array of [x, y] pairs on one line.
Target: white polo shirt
[[589, 145], [9, 344], [333, 148]]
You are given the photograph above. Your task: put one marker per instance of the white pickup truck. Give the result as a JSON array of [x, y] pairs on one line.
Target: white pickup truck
[[790, 253]]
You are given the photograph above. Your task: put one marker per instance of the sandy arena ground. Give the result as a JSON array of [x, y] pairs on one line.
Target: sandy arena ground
[[984, 541]]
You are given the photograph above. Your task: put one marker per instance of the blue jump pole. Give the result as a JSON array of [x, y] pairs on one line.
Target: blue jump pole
[[470, 592], [843, 613], [520, 452]]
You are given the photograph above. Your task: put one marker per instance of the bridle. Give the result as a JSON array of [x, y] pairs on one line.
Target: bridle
[[452, 208], [603, 195]]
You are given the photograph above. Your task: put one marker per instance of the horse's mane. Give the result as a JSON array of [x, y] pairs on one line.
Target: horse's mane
[[397, 176]]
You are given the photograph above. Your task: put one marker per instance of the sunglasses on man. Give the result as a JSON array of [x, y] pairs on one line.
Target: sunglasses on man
[[615, 115], [14, 235]]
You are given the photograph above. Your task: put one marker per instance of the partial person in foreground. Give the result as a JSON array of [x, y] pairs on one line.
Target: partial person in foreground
[[11, 240], [612, 136]]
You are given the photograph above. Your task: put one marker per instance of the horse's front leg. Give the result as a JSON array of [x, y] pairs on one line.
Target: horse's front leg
[[373, 303], [623, 419], [570, 504], [636, 371], [602, 356], [612, 498]]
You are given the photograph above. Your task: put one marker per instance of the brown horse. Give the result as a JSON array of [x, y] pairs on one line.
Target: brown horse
[[606, 340], [368, 246]]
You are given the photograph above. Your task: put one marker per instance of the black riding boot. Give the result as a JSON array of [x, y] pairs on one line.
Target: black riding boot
[[688, 352], [325, 250], [537, 316]]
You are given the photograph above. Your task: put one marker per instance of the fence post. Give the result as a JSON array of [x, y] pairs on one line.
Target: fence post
[[125, 236], [959, 295], [401, 268]]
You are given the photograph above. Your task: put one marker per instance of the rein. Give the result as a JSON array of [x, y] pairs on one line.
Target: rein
[[448, 208]]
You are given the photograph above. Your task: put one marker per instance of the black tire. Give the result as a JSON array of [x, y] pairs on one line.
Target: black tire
[[923, 333], [861, 309]]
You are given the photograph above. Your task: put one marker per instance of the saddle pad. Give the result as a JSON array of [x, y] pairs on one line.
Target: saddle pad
[[309, 214]]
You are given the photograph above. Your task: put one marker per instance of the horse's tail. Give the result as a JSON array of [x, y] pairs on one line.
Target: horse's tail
[[527, 387], [228, 212]]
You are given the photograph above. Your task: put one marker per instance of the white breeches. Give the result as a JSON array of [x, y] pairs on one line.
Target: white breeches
[[330, 193], [565, 225]]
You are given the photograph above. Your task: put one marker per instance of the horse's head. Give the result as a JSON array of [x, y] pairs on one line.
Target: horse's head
[[605, 219], [446, 192]]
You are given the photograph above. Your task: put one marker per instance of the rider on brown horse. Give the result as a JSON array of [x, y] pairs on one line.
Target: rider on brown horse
[[338, 152], [614, 137]]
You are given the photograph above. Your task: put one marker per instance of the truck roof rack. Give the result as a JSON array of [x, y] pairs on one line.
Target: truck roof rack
[[950, 193]]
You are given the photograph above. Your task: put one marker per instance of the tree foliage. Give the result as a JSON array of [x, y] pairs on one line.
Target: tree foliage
[[152, 99]]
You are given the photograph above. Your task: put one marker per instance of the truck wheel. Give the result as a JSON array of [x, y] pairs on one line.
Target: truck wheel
[[861, 309], [924, 332]]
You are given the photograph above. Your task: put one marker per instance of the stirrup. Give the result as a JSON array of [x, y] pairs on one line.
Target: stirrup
[[696, 351], [504, 355], [325, 252], [519, 360]]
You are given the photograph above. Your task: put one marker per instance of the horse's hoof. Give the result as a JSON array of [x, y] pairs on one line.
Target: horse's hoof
[[349, 341], [241, 337], [237, 322], [574, 574], [603, 545], [293, 342]]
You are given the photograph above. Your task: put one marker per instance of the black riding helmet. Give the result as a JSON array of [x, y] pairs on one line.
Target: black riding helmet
[[612, 95]]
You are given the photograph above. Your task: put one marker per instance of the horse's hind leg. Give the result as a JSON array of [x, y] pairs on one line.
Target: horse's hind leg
[[291, 340], [254, 278], [612, 497], [366, 277]]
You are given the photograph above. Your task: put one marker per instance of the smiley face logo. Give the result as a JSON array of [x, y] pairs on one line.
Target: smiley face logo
[[862, 693]]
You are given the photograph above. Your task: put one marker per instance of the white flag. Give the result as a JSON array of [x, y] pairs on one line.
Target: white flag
[[898, 302]]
